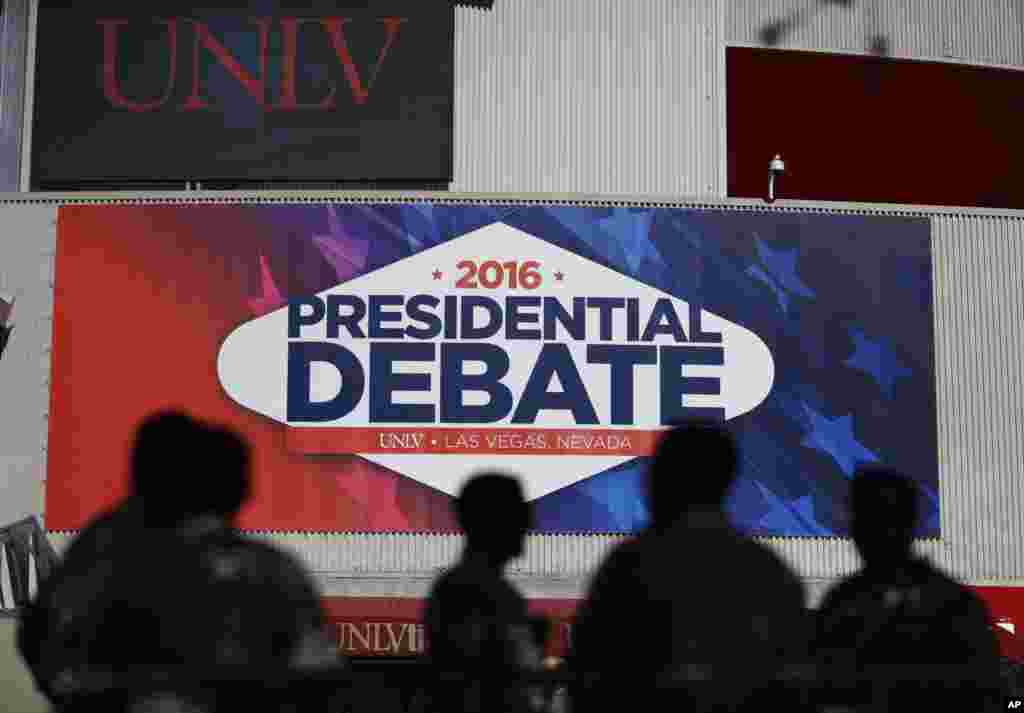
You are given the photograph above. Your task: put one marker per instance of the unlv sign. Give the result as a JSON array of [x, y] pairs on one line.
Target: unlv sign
[[263, 94], [256, 85]]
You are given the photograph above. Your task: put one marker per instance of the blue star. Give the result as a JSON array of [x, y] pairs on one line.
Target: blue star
[[692, 237], [790, 518], [608, 246], [877, 359], [835, 437], [631, 229], [781, 265], [346, 253], [621, 495], [421, 218], [577, 221], [780, 294], [415, 244], [418, 213], [612, 500]]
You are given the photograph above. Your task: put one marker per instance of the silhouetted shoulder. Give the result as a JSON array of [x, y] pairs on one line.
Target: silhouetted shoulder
[[914, 612], [918, 578], [254, 552], [625, 557], [65, 603], [233, 556], [122, 524], [618, 580], [772, 562], [464, 588]]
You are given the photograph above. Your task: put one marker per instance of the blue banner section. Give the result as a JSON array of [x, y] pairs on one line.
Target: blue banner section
[[843, 302]]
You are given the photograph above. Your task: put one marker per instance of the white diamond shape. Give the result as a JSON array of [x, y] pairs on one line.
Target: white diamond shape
[[252, 364]]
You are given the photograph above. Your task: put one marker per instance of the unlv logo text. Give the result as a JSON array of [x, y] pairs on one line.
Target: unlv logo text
[[332, 31], [380, 638]]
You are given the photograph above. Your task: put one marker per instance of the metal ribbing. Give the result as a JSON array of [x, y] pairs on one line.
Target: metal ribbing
[[588, 96], [14, 17], [601, 96], [978, 357], [979, 312], [986, 31]]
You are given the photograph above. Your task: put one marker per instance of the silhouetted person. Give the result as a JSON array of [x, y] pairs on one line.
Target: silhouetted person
[[476, 621], [689, 598], [171, 584], [899, 609], [51, 631]]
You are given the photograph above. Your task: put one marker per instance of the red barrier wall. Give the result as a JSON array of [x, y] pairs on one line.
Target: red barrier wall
[[391, 626]]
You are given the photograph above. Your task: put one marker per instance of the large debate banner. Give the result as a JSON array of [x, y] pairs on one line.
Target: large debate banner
[[378, 354]]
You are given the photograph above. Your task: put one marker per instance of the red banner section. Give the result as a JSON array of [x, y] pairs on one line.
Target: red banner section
[[511, 441], [393, 627], [1006, 606]]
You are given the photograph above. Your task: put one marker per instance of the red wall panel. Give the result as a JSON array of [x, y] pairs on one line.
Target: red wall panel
[[873, 129], [392, 626]]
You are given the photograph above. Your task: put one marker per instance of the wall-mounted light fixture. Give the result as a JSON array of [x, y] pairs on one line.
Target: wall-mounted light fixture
[[775, 169]]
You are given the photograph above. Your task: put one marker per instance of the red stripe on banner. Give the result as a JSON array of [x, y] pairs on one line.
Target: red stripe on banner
[[495, 441]]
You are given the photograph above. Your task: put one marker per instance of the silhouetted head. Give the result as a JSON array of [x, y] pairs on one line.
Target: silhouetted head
[[495, 516], [163, 453], [228, 484], [182, 469], [883, 505], [694, 467]]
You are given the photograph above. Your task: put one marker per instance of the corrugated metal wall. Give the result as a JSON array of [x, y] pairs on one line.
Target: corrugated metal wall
[[589, 96], [605, 96], [28, 236], [979, 310], [13, 40]]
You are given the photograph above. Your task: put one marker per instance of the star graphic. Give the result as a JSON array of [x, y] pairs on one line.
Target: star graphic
[[346, 254], [778, 271], [877, 359], [790, 518], [780, 294], [835, 437], [631, 229], [691, 235], [271, 297], [421, 218], [619, 492], [437, 274], [415, 244], [375, 216], [781, 265], [621, 238], [559, 275]]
